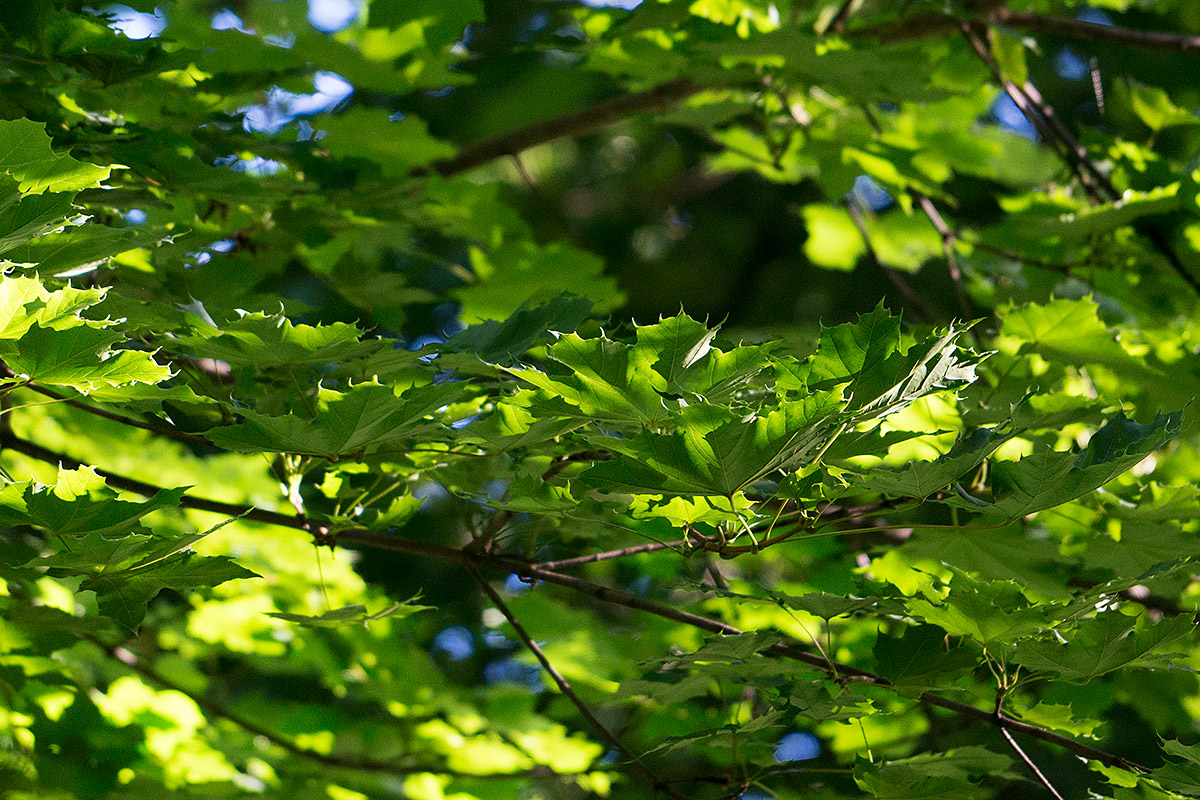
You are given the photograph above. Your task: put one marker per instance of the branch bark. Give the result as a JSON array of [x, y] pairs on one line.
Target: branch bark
[[926, 26], [603, 593], [1096, 32], [577, 123], [796, 653]]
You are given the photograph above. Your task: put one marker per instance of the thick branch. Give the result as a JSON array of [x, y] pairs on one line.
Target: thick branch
[[602, 593], [925, 26], [1095, 32], [576, 123], [798, 654]]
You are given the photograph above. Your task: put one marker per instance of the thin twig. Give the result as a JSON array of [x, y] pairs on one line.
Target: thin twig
[[1035, 108], [910, 297], [796, 653], [975, 36], [838, 23], [1029, 763], [602, 593], [591, 558], [948, 240], [563, 685], [1077, 151]]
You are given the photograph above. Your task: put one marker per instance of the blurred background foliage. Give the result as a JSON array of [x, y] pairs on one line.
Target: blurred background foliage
[[303, 205]]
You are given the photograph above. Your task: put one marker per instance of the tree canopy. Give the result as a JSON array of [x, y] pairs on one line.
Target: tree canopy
[[534, 399]]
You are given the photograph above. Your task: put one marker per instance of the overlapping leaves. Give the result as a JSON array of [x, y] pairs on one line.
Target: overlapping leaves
[[692, 419], [45, 339]]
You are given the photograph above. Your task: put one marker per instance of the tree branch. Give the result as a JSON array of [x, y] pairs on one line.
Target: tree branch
[[169, 433], [929, 25], [1029, 763], [561, 682], [795, 653], [577, 123], [1095, 32], [1043, 116], [911, 297], [591, 558], [602, 593]]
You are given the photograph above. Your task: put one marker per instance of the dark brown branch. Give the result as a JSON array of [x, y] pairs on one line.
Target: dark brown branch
[[795, 653], [975, 36], [630, 600], [1095, 32], [1043, 116], [576, 123], [169, 433], [591, 558], [838, 23], [1062, 133], [948, 240], [912, 298], [12, 442], [602, 593], [925, 26]]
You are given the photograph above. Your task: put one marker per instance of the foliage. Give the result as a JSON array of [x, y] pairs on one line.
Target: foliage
[[356, 444]]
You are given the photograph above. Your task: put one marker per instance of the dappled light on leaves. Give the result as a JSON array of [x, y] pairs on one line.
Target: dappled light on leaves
[[690, 400]]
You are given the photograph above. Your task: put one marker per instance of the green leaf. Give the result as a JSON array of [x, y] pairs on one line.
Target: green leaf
[[921, 659], [25, 301], [1058, 717], [924, 777], [1009, 553], [920, 479], [24, 218], [68, 512], [1180, 776], [273, 341], [80, 247], [124, 595], [833, 239], [530, 325], [846, 353], [1051, 478], [716, 453], [520, 272], [990, 612], [1063, 330], [366, 416], [1109, 642], [81, 357], [354, 614], [395, 145], [26, 155], [603, 380]]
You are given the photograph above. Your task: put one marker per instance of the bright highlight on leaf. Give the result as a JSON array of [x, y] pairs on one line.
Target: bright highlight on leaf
[[706, 400]]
